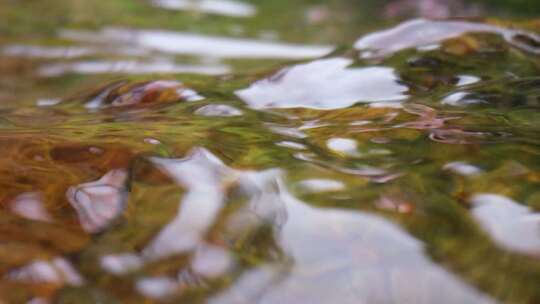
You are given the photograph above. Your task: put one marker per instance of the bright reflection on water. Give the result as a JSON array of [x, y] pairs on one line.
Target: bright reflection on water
[[99, 203], [199, 45], [202, 174], [30, 206], [387, 253], [321, 185], [381, 254], [47, 52], [219, 7], [131, 67], [509, 223], [57, 271], [148, 51], [421, 32], [324, 84]]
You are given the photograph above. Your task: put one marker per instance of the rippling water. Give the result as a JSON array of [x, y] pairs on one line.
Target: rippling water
[[163, 165]]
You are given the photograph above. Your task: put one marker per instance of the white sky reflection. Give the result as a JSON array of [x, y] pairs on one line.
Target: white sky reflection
[[202, 174], [130, 67], [510, 224], [47, 52], [374, 254], [183, 43], [418, 33], [330, 253], [100, 202], [324, 84], [218, 7], [55, 271], [30, 205]]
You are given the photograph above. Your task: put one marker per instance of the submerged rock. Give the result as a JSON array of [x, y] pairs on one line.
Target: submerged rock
[[145, 93]]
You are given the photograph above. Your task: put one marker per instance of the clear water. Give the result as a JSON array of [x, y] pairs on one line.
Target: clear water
[[269, 152]]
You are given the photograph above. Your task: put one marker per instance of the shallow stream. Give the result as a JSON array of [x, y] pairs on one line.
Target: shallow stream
[[220, 151]]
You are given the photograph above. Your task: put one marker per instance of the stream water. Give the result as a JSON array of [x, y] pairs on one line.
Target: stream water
[[220, 151]]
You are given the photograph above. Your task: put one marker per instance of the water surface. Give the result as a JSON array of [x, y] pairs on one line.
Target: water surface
[[269, 152]]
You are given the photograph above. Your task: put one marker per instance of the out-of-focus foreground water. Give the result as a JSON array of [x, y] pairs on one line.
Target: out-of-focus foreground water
[[220, 151]]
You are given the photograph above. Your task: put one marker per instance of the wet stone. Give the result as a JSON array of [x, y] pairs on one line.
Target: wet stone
[[142, 94]]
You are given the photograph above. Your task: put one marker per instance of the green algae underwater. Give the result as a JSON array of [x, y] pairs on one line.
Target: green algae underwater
[[219, 151]]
